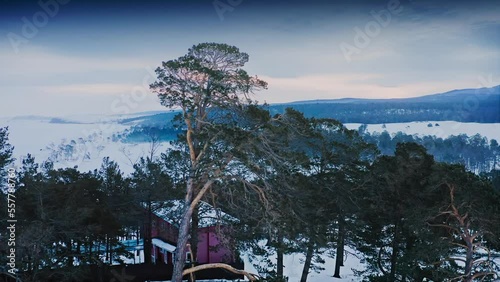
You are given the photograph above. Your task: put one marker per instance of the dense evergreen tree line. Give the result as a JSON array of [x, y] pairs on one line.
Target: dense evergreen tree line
[[336, 191], [410, 216], [471, 106], [476, 153], [70, 218]]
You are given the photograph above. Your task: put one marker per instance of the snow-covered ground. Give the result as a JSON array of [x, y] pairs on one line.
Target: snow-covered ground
[[74, 144], [86, 141], [83, 141], [293, 266], [443, 129]]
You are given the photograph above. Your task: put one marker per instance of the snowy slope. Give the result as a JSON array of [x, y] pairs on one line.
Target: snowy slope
[[294, 263], [74, 144], [445, 128], [85, 141]]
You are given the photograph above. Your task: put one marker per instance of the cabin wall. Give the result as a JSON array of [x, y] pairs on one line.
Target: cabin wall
[[210, 248], [160, 256], [164, 230]]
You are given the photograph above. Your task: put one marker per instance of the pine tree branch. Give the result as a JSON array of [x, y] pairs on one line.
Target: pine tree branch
[[250, 276]]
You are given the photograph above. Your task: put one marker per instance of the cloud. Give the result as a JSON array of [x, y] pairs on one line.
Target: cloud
[[40, 61], [429, 48], [474, 54], [90, 89], [333, 86]]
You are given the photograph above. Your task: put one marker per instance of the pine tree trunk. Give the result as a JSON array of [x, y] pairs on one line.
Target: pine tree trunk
[[395, 251], [279, 261], [148, 227], [180, 251], [194, 238], [279, 254], [137, 234], [307, 263], [107, 248], [70, 255], [191, 201], [110, 242], [469, 259], [182, 240], [78, 247], [339, 256], [91, 246]]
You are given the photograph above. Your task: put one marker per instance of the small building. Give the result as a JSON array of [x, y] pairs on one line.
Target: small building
[[213, 233]]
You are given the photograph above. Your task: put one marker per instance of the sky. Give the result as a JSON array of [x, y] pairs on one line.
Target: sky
[[73, 57]]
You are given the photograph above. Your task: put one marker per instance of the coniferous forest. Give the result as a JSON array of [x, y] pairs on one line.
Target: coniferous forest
[[413, 208]]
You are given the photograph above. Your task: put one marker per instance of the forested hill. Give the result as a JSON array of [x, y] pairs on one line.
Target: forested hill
[[467, 105]]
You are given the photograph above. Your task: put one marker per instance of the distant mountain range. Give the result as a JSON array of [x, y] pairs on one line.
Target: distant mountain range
[[457, 94], [84, 139], [480, 105], [466, 105]]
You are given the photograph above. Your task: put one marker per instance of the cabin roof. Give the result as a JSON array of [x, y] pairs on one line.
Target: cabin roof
[[171, 211], [163, 245]]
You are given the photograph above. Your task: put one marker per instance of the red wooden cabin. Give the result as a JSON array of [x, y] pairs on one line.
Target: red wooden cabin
[[212, 233]]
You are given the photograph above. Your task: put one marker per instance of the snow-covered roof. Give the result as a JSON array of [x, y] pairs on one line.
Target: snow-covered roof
[[171, 211], [163, 245]]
